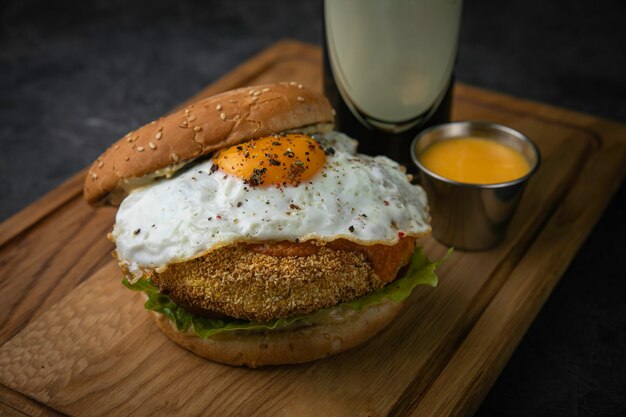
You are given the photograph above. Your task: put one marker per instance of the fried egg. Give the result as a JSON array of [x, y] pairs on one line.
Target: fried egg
[[286, 187]]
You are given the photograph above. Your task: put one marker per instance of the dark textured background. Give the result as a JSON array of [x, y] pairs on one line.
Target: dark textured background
[[74, 76]]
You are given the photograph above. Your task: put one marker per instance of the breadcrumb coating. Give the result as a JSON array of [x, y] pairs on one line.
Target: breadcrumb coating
[[244, 284]]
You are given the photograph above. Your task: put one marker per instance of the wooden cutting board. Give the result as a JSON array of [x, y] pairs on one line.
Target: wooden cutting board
[[75, 341]]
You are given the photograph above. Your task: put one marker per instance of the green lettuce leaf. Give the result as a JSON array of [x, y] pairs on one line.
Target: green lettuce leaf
[[420, 271]]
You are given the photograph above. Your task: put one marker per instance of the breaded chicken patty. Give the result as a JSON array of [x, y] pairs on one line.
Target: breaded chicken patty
[[279, 280]]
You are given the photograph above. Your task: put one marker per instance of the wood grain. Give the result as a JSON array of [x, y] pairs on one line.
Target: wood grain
[[45, 205], [15, 404], [511, 312], [77, 341]]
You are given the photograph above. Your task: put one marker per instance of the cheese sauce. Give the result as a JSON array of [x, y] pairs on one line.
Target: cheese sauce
[[474, 161]]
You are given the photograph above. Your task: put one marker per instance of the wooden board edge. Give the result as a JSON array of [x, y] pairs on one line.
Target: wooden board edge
[[606, 129], [42, 207], [418, 387], [15, 403], [7, 411], [480, 359]]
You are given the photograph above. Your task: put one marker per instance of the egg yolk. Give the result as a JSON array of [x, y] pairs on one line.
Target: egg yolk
[[276, 160]]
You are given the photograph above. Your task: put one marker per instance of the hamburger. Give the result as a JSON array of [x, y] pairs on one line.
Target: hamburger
[[257, 233]]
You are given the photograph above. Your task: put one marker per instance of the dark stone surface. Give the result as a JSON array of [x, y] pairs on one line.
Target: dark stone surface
[[73, 78]]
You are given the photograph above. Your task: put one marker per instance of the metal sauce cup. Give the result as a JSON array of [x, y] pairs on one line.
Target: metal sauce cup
[[472, 216]]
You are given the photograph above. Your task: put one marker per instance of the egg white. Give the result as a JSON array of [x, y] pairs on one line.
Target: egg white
[[363, 199]]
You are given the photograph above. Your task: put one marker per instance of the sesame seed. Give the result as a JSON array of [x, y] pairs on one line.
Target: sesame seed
[[160, 128], [197, 128], [158, 135], [256, 93], [187, 111], [140, 148], [100, 164], [237, 117], [300, 98], [223, 116], [183, 123], [266, 89], [152, 145], [153, 122], [129, 139], [192, 118], [218, 107], [126, 158], [174, 157], [293, 83], [300, 86], [250, 92], [136, 138], [94, 175], [255, 98], [116, 147]]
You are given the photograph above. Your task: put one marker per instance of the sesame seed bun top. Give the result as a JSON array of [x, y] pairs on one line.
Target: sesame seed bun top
[[206, 126]]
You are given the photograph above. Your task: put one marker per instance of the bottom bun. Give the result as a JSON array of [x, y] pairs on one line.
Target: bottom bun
[[290, 346]]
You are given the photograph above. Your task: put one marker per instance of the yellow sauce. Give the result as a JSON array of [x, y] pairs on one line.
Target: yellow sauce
[[474, 161]]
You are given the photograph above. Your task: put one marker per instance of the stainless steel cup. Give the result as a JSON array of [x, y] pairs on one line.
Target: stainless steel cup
[[472, 216]]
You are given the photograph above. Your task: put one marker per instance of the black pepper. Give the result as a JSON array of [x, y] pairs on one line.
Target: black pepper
[[257, 177]]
